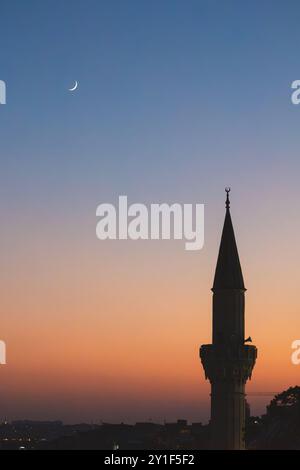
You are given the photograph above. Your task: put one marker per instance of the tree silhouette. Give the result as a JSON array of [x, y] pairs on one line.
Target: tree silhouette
[[285, 402], [280, 427]]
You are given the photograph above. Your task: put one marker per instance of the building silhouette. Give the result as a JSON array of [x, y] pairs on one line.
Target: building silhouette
[[228, 361]]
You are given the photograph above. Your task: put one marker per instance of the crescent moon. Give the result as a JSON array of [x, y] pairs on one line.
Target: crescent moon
[[74, 87]]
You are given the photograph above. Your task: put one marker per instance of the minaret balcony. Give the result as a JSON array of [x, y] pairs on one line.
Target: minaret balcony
[[228, 362]]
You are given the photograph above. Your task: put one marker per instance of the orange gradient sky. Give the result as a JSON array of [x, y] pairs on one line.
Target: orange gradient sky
[[111, 330]]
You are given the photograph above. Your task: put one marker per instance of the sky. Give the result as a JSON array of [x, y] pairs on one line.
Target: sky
[[176, 100]]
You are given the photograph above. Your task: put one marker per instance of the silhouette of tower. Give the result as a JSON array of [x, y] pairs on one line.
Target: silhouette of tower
[[228, 361]]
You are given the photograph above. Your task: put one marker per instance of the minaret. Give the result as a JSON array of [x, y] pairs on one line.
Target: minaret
[[228, 361]]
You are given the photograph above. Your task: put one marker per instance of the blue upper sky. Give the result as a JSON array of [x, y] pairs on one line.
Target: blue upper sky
[[176, 99]]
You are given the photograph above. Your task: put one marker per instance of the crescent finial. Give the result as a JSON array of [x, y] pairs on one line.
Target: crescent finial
[[227, 204]]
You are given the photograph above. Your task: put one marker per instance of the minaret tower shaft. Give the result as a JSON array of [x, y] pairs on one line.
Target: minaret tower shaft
[[228, 361]]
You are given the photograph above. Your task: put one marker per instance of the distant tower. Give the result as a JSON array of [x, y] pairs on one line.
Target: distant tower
[[228, 361]]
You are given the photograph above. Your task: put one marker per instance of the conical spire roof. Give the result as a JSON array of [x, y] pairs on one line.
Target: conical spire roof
[[228, 273]]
